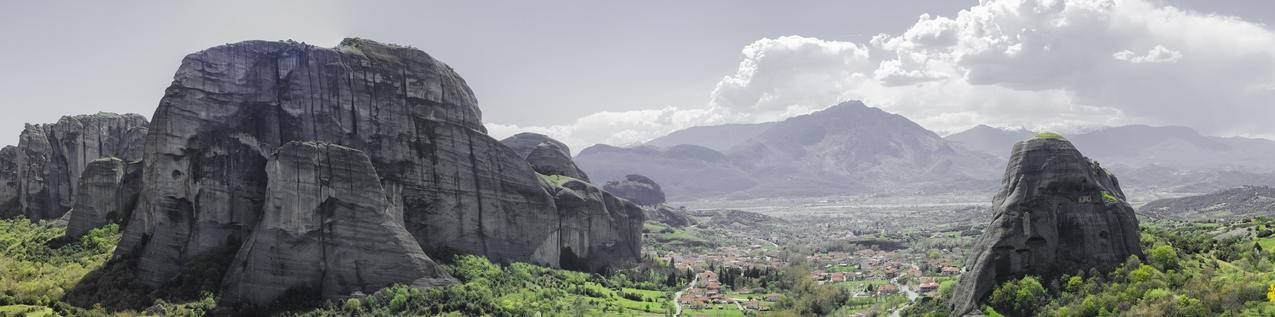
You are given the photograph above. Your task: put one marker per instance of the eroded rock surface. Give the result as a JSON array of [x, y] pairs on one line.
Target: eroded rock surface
[[326, 228], [107, 193], [599, 230], [51, 157], [231, 107], [9, 204], [546, 155], [1057, 213], [638, 189]]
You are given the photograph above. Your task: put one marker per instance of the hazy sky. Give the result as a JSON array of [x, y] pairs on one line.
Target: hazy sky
[[619, 72]]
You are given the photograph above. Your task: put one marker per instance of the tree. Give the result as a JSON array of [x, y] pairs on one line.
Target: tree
[[1018, 297]]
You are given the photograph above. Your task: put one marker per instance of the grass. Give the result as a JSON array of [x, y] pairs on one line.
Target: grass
[[26, 311], [1110, 199], [718, 310], [556, 180], [1267, 243], [1050, 135]]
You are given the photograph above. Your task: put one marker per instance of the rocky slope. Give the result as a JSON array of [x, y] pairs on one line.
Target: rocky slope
[[230, 109], [1057, 213], [50, 157], [108, 190], [1246, 201], [546, 155], [326, 228], [637, 189]]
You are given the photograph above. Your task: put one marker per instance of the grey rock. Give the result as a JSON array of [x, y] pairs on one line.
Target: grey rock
[[638, 189], [598, 229], [1057, 213], [10, 206], [668, 216], [50, 157], [231, 107], [108, 190], [546, 155], [327, 228]]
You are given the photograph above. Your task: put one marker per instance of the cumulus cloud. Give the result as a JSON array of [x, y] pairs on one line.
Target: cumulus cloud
[[1159, 54], [1042, 64]]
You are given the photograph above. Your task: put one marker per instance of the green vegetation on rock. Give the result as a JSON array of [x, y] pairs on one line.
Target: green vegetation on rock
[[1050, 135]]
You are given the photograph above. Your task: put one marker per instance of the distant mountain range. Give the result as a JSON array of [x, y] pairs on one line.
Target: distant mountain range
[[845, 149], [1172, 158]]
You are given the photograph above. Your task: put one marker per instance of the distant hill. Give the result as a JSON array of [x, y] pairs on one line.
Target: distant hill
[[1172, 158], [846, 149], [1232, 203], [986, 139], [718, 137], [684, 171]]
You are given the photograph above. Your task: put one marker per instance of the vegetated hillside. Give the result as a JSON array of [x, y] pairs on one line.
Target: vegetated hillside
[[1246, 201], [720, 138], [848, 148], [1191, 269]]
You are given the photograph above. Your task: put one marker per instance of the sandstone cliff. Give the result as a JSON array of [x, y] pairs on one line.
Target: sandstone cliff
[[326, 228], [50, 157], [1057, 213], [546, 155], [638, 189], [107, 193], [9, 204], [452, 187], [598, 229]]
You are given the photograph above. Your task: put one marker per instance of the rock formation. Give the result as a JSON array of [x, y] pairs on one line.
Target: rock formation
[[50, 157], [107, 193], [668, 216], [1057, 213], [546, 155], [638, 189], [231, 107], [599, 230], [326, 228], [9, 205]]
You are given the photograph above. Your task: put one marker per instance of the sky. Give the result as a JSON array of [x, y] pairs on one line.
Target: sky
[[615, 72]]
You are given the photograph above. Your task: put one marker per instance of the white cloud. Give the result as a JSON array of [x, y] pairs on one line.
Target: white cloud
[[1041, 64], [1157, 55]]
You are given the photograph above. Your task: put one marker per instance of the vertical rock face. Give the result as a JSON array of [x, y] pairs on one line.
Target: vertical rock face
[[107, 193], [9, 204], [326, 228], [599, 230], [231, 107], [50, 157], [1057, 213], [638, 189], [546, 155]]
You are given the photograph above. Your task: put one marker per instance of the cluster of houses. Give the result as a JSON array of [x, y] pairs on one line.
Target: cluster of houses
[[707, 292]]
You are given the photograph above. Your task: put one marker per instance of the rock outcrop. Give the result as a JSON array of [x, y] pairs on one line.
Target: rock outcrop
[[1057, 213], [546, 155], [668, 216], [599, 230], [231, 107], [10, 206], [107, 193], [326, 228], [50, 157], [638, 189]]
